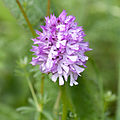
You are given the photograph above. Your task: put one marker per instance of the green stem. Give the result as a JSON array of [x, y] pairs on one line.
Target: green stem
[[48, 8], [118, 100], [64, 101], [26, 18], [64, 115], [57, 103], [42, 85], [33, 94], [42, 92], [69, 102]]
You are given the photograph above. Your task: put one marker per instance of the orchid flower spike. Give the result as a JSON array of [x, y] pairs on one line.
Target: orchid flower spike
[[59, 49]]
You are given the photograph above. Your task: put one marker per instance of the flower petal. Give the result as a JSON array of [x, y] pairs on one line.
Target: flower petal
[[59, 69], [65, 67], [72, 80], [62, 16], [49, 63], [78, 69], [73, 58], [65, 76], [54, 77], [61, 81]]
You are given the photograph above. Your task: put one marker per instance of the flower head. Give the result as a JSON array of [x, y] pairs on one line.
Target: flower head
[[60, 48]]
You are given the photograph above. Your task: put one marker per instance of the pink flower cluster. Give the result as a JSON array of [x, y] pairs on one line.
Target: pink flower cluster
[[60, 48]]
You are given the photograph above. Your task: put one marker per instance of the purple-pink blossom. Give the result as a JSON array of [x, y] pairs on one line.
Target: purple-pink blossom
[[59, 49]]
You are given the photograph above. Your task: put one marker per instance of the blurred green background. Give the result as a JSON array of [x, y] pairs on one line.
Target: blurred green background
[[101, 22]]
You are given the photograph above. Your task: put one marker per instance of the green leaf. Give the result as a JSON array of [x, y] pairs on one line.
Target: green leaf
[[30, 100], [47, 115], [35, 10], [25, 110]]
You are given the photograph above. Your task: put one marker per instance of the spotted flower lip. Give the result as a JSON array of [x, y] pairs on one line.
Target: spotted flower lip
[[60, 48]]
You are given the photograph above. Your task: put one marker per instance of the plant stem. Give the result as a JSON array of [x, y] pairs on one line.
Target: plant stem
[[64, 101], [42, 84], [26, 18], [57, 103], [118, 100], [33, 94], [69, 102], [41, 92], [48, 8]]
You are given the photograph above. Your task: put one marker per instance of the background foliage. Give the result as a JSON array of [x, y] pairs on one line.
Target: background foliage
[[94, 97]]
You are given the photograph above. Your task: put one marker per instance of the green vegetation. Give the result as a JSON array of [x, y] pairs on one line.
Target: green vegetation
[[97, 97]]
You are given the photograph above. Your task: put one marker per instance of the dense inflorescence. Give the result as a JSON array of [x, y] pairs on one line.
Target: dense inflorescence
[[60, 48]]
